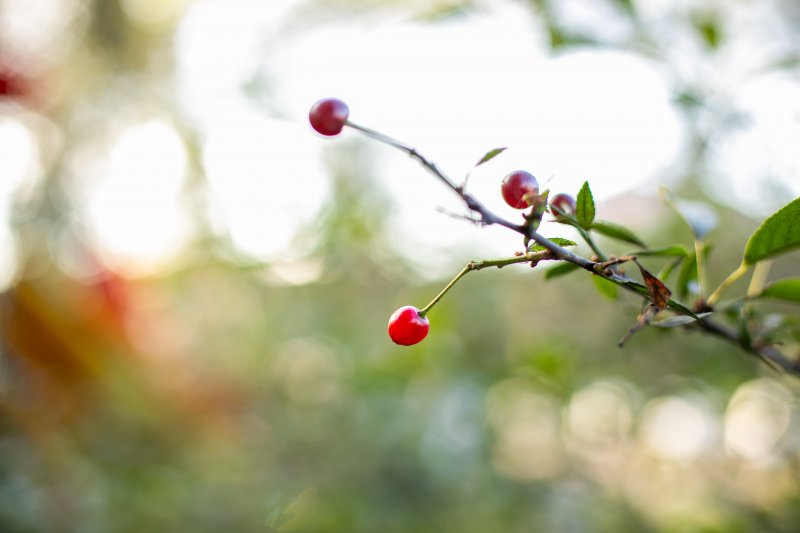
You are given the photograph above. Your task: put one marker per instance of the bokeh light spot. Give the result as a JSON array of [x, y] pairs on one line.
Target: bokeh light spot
[[676, 428], [136, 210], [526, 423], [757, 419]]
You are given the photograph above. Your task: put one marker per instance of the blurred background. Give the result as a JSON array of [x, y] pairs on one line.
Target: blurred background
[[195, 286]]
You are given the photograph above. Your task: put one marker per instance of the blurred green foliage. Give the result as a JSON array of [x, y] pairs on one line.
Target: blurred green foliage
[[218, 396]]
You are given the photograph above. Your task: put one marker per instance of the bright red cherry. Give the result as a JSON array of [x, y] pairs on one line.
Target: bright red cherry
[[564, 202], [327, 116], [519, 189], [407, 327]]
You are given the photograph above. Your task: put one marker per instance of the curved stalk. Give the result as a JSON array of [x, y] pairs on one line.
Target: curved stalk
[[730, 280]]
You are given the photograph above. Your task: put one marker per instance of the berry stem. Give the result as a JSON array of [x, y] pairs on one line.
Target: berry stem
[[759, 278], [593, 245], [730, 280], [424, 310], [702, 282], [532, 257]]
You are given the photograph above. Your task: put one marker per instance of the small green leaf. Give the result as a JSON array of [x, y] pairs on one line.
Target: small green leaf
[[615, 231], [689, 100], [441, 12], [584, 207], [555, 240], [561, 38], [491, 154], [627, 6], [778, 234], [784, 289], [677, 306], [605, 287], [568, 219], [708, 25], [686, 275], [560, 270], [666, 272], [668, 251], [681, 320], [789, 62]]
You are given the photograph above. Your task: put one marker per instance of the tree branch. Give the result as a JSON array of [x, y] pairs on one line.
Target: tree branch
[[487, 217], [765, 351]]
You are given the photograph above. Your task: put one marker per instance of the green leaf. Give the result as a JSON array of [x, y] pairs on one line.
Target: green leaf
[[439, 12], [778, 234], [689, 100], [561, 38], [491, 154], [709, 28], [668, 251], [666, 272], [788, 62], [584, 208], [681, 320], [605, 287], [555, 240], [686, 275], [568, 219], [677, 306], [560, 270], [784, 289], [615, 231], [688, 271], [627, 6]]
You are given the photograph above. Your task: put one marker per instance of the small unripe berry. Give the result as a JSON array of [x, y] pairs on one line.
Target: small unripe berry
[[407, 327], [519, 189], [564, 202], [327, 116]]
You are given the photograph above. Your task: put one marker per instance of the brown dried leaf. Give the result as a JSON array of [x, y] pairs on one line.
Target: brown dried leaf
[[658, 292]]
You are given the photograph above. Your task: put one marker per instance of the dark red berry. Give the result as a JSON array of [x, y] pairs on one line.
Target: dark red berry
[[327, 116], [563, 202], [520, 189], [407, 327], [13, 84]]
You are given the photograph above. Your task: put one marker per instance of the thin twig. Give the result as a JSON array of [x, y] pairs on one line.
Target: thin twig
[[530, 257], [487, 217], [767, 352]]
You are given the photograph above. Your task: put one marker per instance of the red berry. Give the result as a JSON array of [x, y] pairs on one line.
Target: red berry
[[564, 202], [519, 189], [327, 116], [407, 327], [13, 83]]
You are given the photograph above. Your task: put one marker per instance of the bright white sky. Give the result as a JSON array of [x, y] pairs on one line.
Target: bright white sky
[[454, 90]]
